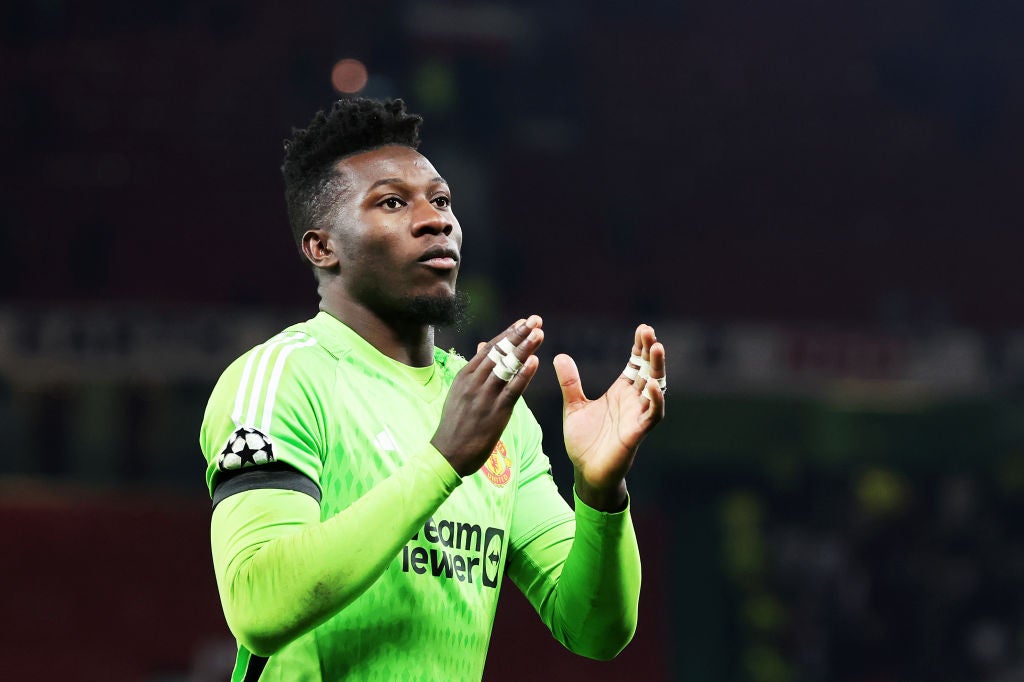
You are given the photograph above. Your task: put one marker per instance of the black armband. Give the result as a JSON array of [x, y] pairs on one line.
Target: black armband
[[275, 476]]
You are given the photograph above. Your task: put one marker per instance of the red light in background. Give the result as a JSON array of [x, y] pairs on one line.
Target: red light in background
[[349, 76]]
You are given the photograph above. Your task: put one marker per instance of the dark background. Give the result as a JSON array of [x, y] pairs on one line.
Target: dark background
[[814, 204]]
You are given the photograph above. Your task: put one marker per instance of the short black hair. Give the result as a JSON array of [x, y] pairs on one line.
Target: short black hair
[[351, 126]]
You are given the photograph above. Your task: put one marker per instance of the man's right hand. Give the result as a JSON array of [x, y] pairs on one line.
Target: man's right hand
[[479, 403]]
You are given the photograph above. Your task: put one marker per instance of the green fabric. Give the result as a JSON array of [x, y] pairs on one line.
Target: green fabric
[[396, 574], [281, 571], [585, 585]]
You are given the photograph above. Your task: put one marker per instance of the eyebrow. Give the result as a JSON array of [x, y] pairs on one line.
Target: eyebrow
[[398, 181]]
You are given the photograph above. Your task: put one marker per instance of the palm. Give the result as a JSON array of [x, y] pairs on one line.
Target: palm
[[602, 436]]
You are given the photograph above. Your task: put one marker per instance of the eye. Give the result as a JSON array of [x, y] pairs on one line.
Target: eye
[[443, 202], [392, 203]]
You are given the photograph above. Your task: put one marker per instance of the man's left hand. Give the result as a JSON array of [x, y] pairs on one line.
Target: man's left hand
[[602, 435]]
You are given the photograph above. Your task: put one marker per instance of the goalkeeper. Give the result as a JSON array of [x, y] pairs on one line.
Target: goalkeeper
[[370, 490]]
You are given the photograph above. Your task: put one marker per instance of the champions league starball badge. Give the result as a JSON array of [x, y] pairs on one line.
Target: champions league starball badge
[[245, 447]]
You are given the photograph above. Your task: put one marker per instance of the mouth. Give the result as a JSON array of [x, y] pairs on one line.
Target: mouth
[[440, 258]]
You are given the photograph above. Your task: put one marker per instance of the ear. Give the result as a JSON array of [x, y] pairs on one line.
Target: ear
[[319, 249]]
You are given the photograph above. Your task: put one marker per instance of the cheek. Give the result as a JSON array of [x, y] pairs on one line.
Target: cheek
[[384, 250]]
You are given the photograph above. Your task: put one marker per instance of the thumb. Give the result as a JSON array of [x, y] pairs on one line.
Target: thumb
[[569, 380]]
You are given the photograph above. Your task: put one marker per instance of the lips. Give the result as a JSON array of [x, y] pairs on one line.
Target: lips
[[440, 257]]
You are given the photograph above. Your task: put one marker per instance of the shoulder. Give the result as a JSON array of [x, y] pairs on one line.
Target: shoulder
[[293, 350], [292, 358]]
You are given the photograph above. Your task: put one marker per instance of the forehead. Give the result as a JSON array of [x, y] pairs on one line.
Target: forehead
[[393, 161]]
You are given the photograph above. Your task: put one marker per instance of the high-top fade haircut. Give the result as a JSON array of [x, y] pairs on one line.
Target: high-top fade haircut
[[355, 125]]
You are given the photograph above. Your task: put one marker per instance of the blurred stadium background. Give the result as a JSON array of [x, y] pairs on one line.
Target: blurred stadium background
[[813, 203]]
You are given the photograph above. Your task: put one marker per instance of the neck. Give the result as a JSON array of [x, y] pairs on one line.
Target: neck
[[410, 344]]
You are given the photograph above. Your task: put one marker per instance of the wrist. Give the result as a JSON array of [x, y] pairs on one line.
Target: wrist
[[464, 464], [453, 461], [611, 498]]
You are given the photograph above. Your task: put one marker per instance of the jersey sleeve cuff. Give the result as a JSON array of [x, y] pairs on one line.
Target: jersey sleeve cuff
[[600, 530], [588, 514], [437, 466]]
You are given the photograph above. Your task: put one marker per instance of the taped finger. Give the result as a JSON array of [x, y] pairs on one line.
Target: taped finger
[[630, 372], [512, 362], [648, 390], [502, 372]]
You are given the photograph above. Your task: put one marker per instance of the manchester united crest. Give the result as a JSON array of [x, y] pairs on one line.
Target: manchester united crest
[[498, 467]]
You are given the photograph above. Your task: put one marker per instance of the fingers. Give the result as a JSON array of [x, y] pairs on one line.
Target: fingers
[[569, 380], [655, 387], [509, 357], [638, 368], [522, 379], [645, 371], [483, 347], [638, 342], [639, 363]]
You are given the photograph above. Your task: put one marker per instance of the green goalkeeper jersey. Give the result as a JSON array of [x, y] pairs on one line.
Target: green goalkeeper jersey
[[319, 400]]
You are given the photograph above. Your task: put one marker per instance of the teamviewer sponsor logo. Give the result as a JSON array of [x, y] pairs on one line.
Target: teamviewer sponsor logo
[[457, 551], [493, 539]]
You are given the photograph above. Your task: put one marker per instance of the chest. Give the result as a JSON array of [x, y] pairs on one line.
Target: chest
[[377, 424]]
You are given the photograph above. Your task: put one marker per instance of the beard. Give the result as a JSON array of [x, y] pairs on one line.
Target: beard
[[402, 311], [439, 311], [442, 310]]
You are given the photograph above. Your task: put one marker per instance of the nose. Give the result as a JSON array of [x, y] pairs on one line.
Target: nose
[[429, 220]]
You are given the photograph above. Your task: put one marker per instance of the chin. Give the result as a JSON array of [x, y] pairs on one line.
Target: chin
[[441, 309]]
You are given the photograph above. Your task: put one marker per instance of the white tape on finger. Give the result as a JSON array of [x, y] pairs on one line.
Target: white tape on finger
[[648, 391], [494, 356], [512, 362], [507, 346], [633, 366], [503, 372], [645, 370]]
